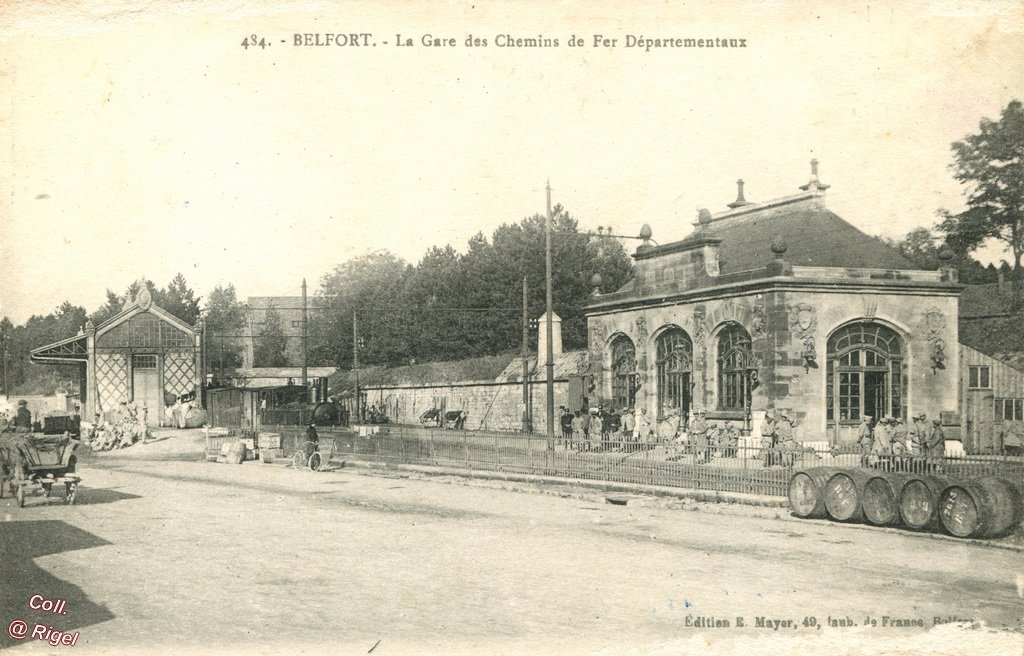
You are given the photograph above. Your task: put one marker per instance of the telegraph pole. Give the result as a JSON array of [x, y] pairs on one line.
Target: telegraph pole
[[305, 318], [355, 366], [550, 361], [526, 364]]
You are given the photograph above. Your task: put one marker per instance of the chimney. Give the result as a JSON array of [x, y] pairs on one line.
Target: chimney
[[740, 200], [542, 336]]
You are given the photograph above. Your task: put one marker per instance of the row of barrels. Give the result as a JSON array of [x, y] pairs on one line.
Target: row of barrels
[[984, 507]]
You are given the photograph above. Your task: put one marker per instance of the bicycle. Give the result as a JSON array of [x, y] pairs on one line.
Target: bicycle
[[314, 460]]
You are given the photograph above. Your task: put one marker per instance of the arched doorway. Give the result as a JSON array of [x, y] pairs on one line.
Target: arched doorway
[[624, 374], [675, 371], [864, 377]]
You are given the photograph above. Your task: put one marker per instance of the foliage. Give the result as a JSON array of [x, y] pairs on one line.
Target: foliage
[[225, 324], [451, 306], [177, 298], [920, 247], [269, 350], [990, 164], [25, 377]]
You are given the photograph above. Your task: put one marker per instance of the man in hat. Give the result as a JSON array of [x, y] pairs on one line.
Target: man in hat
[[936, 441], [768, 435], [899, 443], [785, 442], [731, 437], [565, 421], [23, 418], [628, 424], [698, 430], [866, 439]]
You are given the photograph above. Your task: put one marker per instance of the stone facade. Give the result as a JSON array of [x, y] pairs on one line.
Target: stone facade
[[734, 321]]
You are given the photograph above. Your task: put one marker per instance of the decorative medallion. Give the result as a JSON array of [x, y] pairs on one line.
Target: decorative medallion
[[143, 298], [934, 321], [803, 324]]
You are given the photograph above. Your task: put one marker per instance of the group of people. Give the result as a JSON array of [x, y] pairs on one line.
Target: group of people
[[603, 429], [891, 440], [709, 438], [778, 442]]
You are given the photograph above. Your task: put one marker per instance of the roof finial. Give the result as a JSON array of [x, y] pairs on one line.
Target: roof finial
[[740, 200], [814, 184]]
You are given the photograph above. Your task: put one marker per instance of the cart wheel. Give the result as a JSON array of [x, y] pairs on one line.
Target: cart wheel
[[315, 461], [69, 493], [72, 463], [21, 496], [46, 489]]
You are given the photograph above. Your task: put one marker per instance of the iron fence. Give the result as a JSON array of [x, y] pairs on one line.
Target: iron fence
[[745, 467]]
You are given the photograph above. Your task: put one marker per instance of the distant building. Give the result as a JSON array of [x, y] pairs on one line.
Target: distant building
[[289, 309]]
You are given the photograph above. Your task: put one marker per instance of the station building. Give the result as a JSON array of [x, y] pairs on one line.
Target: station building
[[779, 305], [143, 356]]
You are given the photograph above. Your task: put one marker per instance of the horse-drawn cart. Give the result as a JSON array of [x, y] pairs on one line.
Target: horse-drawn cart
[[38, 462]]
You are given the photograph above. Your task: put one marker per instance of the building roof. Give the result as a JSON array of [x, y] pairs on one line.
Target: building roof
[[813, 235]]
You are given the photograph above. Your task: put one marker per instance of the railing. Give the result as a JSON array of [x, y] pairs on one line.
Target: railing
[[741, 468]]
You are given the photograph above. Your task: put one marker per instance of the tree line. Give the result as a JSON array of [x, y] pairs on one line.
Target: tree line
[[453, 305]]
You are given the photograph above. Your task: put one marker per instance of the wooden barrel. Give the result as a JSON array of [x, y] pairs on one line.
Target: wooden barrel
[[881, 498], [843, 493], [807, 491], [919, 501], [982, 508]]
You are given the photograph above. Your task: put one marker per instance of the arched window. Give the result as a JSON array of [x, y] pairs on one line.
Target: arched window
[[734, 360], [864, 374], [675, 366], [624, 374]]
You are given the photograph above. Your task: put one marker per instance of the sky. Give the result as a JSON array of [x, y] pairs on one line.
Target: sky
[[143, 139]]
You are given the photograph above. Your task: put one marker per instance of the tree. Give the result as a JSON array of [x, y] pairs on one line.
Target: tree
[[990, 164], [225, 323], [179, 299], [271, 343], [113, 305], [920, 247]]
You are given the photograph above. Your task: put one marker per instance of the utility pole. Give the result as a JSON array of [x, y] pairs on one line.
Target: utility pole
[[305, 318], [527, 423], [355, 366], [550, 361]]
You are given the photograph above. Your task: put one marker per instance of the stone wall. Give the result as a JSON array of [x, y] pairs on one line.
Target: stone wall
[[490, 406]]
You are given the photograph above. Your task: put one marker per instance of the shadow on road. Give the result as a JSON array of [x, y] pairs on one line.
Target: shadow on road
[[85, 496], [21, 542]]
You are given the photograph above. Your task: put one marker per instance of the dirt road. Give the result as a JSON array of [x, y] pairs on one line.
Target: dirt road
[[190, 557]]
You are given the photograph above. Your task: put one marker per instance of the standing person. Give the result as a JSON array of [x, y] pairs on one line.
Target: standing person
[[936, 445], [731, 437], [596, 432], [698, 430], [642, 430], [881, 444], [628, 426], [768, 429], [577, 430], [613, 424], [312, 440], [866, 439], [565, 421], [22, 418], [899, 444], [585, 426], [785, 442], [919, 434]]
